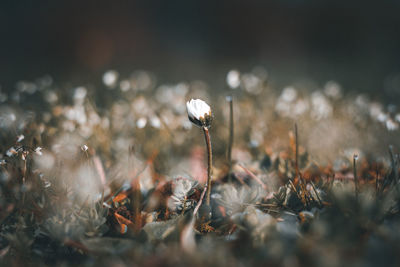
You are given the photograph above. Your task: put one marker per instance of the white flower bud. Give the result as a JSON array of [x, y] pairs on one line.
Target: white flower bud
[[199, 112], [20, 138], [38, 151], [84, 148]]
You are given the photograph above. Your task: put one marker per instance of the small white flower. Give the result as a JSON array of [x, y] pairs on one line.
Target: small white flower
[[11, 152], [110, 78], [79, 95], [38, 150], [391, 125], [199, 112], [20, 138], [84, 148], [233, 79], [382, 117], [12, 117], [141, 122], [155, 122]]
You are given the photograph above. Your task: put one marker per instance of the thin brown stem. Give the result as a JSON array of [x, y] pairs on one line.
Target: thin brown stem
[[209, 169], [196, 209], [230, 144], [252, 175], [24, 175], [316, 193], [136, 200], [355, 175], [296, 164]]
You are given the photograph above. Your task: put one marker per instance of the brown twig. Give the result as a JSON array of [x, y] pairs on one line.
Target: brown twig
[[316, 193], [252, 175], [100, 170], [196, 209], [230, 143]]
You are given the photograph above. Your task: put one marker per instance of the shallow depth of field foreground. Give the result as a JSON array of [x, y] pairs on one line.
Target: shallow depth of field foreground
[[118, 177]]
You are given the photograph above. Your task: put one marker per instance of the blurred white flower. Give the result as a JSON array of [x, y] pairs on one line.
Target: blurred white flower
[[233, 79], [333, 90], [199, 112], [375, 109], [84, 148], [38, 150], [252, 84], [11, 152], [28, 87], [392, 125], [289, 105], [155, 122], [289, 94], [173, 96], [362, 101], [51, 96], [141, 106], [141, 123], [321, 106], [125, 85], [12, 117], [20, 138], [110, 78], [79, 95], [382, 117]]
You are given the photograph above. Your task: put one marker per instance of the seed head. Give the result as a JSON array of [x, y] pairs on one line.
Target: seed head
[[199, 112]]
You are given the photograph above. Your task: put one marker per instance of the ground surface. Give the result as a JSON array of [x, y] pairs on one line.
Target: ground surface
[[112, 175]]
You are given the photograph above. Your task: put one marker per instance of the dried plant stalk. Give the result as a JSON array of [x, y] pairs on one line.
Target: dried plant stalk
[[209, 168]]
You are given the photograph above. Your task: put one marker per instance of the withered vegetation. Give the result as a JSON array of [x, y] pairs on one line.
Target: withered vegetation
[[113, 175]]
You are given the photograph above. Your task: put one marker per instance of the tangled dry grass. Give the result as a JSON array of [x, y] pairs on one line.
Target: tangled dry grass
[[112, 175]]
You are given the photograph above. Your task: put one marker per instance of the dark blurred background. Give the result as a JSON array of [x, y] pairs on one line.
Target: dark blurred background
[[356, 43]]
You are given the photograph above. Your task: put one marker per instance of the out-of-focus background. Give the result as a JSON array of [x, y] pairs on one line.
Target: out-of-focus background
[[355, 43]]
